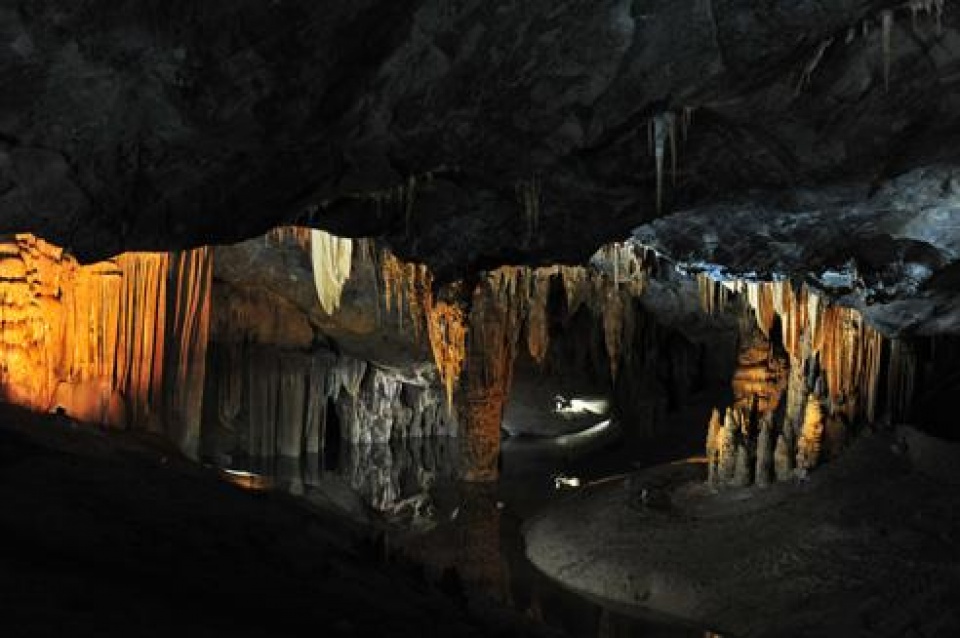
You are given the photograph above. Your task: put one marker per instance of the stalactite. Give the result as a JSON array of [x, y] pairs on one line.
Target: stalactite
[[538, 320], [189, 321], [529, 198], [686, 121], [408, 198], [930, 7], [447, 329], [886, 21], [615, 314], [659, 135], [294, 236], [812, 64], [332, 260]]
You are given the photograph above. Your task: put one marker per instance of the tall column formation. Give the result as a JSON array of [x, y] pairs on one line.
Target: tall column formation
[[809, 371], [120, 342], [475, 349], [491, 353]]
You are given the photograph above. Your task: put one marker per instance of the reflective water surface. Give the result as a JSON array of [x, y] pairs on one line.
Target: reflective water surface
[[467, 536]]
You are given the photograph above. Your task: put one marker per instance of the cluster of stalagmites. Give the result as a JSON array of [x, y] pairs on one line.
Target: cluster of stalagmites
[[121, 342], [808, 372]]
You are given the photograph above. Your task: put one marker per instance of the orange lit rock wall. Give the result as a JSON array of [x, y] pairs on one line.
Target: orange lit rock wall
[[120, 342], [809, 372]]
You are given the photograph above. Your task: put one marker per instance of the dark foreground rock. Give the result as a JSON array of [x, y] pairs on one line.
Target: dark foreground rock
[[112, 536]]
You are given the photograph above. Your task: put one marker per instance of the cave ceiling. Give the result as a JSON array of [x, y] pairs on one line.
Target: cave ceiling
[[442, 126]]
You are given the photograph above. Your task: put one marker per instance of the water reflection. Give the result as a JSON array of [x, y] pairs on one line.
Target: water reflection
[[466, 536]]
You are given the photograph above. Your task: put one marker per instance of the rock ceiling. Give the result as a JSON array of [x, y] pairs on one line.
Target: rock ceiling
[[466, 134]]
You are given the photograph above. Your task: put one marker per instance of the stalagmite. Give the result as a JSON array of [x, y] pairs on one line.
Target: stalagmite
[[782, 460], [713, 447], [727, 448], [332, 259], [811, 438], [529, 198], [743, 473], [764, 469]]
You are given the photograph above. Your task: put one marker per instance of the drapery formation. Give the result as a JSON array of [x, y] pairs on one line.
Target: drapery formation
[[122, 342]]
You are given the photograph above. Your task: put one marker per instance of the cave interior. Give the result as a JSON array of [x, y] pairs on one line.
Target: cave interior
[[592, 318]]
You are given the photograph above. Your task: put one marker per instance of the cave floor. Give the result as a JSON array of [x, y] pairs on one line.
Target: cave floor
[[868, 546], [112, 534]]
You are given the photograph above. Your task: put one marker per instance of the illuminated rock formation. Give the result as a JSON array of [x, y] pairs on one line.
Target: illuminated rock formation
[[121, 342], [332, 259], [473, 335], [808, 370]]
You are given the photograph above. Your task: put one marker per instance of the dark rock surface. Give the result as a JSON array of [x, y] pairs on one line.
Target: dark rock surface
[[149, 124], [118, 536]]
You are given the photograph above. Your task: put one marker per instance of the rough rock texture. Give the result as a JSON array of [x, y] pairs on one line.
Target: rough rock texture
[[454, 128], [892, 253]]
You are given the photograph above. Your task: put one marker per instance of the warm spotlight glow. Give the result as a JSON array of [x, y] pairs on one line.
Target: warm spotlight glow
[[246, 480], [120, 343]]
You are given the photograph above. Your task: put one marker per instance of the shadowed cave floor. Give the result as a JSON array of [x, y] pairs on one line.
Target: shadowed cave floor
[[114, 534]]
